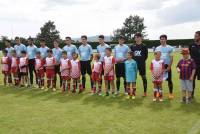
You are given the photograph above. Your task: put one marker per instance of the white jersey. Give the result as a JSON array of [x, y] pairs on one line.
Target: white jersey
[[75, 69], [50, 62], [97, 67], [109, 63], [23, 61], [5, 63], [157, 68], [65, 66]]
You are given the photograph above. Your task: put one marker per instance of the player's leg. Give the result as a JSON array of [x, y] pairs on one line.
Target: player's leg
[[134, 89], [160, 92], [112, 83], [83, 72], [194, 84], [155, 92], [68, 84], [94, 86], [129, 90], [170, 85], [106, 87], [117, 72], [89, 72]]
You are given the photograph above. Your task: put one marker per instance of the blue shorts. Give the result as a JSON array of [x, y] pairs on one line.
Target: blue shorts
[[186, 85]]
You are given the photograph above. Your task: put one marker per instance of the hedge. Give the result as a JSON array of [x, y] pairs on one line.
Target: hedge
[[149, 43]]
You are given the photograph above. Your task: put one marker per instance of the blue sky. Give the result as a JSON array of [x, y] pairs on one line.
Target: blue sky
[[177, 18]]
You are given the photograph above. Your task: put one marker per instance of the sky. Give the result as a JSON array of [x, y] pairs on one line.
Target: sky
[[179, 19]]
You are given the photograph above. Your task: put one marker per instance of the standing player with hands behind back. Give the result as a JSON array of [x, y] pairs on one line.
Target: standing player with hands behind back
[[140, 56]]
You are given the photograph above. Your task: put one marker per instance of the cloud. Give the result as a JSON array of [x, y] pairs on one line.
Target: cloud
[[185, 11]]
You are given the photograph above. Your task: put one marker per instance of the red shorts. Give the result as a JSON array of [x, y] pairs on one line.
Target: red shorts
[[157, 82], [109, 78], [14, 70], [6, 72], [95, 76], [40, 73], [50, 73], [65, 77]]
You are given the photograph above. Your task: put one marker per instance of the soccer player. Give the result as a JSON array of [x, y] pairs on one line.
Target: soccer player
[[131, 75], [19, 47], [96, 74], [9, 49], [186, 67], [101, 49], [5, 61], [31, 52], [15, 67], [50, 70], [23, 68], [157, 69], [57, 54], [76, 72], [69, 48], [140, 56], [86, 53], [167, 56], [65, 69], [109, 71], [120, 53], [195, 54], [43, 48], [39, 68]]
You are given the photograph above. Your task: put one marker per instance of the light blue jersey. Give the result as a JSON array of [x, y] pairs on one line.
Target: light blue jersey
[[85, 52], [120, 51], [101, 49], [57, 54], [18, 48], [9, 49], [70, 50], [31, 51], [131, 70], [43, 51], [166, 53]]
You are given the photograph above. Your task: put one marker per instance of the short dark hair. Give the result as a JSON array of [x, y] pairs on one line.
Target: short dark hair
[[98, 56], [7, 40], [64, 52], [101, 36], [163, 36], [23, 52], [197, 32], [138, 34], [131, 53], [57, 41], [38, 52], [49, 51], [84, 36], [5, 51], [17, 38], [109, 49], [122, 37], [75, 53], [68, 37], [42, 40], [31, 39]]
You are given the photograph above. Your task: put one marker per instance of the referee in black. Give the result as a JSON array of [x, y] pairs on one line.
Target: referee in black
[[195, 55]]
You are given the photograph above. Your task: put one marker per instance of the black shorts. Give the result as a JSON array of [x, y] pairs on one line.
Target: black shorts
[[169, 78], [57, 69], [120, 70], [141, 69], [23, 74], [86, 67]]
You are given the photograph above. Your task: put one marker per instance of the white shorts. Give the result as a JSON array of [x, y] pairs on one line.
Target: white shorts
[[186, 85]]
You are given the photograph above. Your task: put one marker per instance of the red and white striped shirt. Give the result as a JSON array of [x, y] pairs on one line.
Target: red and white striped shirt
[[39, 63], [97, 67], [65, 66], [5, 61], [75, 69], [23, 61], [157, 68], [50, 62], [108, 66]]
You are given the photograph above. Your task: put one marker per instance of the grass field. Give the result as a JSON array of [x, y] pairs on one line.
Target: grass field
[[34, 111]]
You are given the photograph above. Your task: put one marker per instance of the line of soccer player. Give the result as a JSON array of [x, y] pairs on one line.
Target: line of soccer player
[[21, 63]]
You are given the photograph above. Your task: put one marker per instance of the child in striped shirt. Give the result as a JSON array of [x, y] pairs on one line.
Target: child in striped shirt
[[76, 73], [96, 74], [15, 67], [39, 68], [23, 67], [186, 67], [5, 61], [157, 70], [65, 67]]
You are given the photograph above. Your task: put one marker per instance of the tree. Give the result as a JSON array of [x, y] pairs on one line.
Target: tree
[[49, 32], [132, 25]]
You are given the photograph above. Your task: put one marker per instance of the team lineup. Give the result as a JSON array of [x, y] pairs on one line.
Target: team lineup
[[20, 64]]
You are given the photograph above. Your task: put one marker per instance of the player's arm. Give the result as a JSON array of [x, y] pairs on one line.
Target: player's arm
[[193, 70]]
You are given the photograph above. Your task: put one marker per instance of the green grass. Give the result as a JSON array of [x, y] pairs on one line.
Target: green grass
[[33, 111]]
